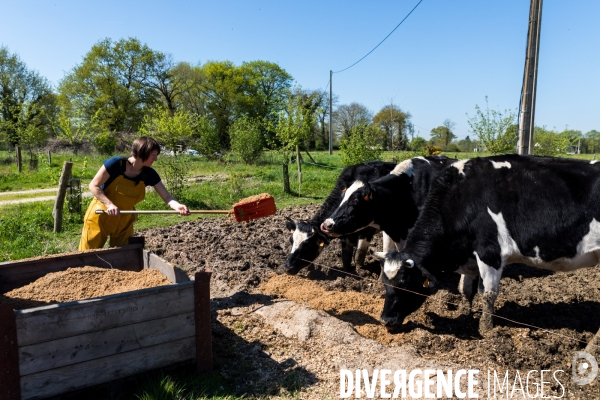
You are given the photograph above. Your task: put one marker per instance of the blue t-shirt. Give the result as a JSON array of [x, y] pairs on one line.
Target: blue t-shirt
[[115, 167]]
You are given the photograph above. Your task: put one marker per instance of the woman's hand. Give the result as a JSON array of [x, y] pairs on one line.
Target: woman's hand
[[112, 210], [182, 208]]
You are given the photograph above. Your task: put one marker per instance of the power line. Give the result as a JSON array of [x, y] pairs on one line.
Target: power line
[[365, 56]]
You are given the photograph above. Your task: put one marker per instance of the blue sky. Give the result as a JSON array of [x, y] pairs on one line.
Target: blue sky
[[441, 62]]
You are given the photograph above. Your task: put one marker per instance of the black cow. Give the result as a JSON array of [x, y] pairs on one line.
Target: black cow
[[307, 239], [543, 212]]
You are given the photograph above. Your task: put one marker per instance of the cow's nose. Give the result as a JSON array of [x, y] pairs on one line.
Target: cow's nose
[[388, 322], [325, 226]]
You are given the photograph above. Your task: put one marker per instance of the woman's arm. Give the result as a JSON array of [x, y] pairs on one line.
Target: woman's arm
[[101, 177], [170, 200]]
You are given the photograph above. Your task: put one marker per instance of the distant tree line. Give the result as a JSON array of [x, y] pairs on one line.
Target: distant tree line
[[123, 88]]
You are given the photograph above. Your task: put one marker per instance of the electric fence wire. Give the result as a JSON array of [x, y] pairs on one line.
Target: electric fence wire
[[384, 39]]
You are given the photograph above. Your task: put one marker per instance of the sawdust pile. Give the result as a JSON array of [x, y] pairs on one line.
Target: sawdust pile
[[362, 310], [81, 283]]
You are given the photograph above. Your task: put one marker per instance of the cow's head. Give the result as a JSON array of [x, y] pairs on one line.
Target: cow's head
[[307, 243], [405, 287], [354, 213]]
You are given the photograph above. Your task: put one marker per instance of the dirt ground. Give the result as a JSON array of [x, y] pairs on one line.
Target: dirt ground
[[247, 259], [281, 336]]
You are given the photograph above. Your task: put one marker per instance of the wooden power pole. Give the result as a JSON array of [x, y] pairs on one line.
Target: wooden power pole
[[330, 112], [527, 111]]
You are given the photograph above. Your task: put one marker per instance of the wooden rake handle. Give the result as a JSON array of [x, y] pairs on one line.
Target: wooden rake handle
[[169, 212]]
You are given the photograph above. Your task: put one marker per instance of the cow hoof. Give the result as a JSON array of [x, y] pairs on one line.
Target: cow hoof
[[485, 324], [464, 309]]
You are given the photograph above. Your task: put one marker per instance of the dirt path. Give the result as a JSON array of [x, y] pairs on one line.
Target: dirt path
[[32, 199]]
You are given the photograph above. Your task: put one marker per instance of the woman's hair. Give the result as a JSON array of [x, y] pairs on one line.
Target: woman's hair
[[143, 146]]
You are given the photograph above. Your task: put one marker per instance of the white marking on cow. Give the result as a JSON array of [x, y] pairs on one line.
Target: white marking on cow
[[587, 251], [594, 161], [424, 159], [329, 222], [489, 275], [391, 268], [503, 164], [353, 188], [460, 165], [298, 237], [405, 167]]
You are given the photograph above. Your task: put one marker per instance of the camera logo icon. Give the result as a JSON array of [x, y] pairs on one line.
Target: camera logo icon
[[585, 368]]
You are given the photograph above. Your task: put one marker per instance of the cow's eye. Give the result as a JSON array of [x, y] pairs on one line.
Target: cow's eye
[[354, 202]]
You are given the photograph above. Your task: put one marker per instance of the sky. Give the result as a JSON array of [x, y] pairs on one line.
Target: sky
[[444, 59]]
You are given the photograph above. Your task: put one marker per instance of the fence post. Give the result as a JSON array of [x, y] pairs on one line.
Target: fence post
[[57, 213], [18, 158]]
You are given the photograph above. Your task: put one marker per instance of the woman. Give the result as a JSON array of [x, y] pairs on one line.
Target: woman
[[119, 185]]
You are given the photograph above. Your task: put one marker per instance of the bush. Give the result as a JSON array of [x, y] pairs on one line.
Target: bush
[[361, 145], [246, 139], [105, 143], [173, 172], [206, 139]]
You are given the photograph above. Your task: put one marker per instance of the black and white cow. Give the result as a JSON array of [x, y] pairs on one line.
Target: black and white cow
[[307, 239], [543, 212], [391, 203]]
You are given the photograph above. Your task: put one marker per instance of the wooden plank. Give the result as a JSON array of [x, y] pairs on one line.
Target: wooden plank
[[42, 324], [203, 324], [90, 346], [9, 355], [77, 376], [15, 274], [171, 272]]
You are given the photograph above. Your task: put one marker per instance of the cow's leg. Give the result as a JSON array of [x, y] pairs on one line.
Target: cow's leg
[[361, 252], [466, 287], [469, 278], [347, 254], [490, 277]]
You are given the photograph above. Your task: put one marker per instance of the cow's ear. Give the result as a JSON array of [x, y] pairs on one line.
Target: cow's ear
[[379, 254], [290, 224]]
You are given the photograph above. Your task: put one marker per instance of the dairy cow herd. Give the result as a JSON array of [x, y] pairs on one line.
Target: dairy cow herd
[[474, 216]]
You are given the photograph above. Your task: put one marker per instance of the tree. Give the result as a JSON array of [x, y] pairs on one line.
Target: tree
[[26, 102], [161, 74], [549, 143], [466, 144], [593, 140], [171, 130], [112, 82], [417, 144], [74, 129], [265, 87], [394, 123], [192, 99], [247, 139], [293, 127], [492, 129], [347, 117], [442, 136], [205, 138], [221, 89], [361, 145]]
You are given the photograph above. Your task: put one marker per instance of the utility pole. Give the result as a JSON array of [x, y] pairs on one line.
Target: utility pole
[[527, 111], [330, 112]]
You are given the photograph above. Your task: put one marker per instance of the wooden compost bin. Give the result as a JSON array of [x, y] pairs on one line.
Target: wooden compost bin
[[50, 350]]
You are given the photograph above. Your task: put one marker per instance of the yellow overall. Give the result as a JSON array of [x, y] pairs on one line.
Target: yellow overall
[[125, 194]]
